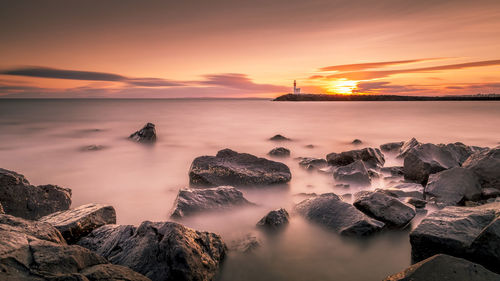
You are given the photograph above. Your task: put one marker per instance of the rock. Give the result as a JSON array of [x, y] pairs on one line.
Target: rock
[[354, 173], [13, 227], [93, 147], [229, 167], [393, 171], [159, 250], [279, 138], [1, 210], [246, 244], [330, 211], [391, 146], [21, 199], [274, 220], [444, 267], [426, 159], [407, 146], [459, 151], [145, 135], [327, 170], [371, 156], [485, 164], [190, 201], [417, 202], [384, 208], [76, 223], [309, 146], [279, 152], [453, 186], [487, 193], [312, 163], [485, 249], [401, 193], [356, 142]]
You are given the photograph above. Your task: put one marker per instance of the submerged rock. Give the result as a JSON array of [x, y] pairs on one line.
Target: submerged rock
[[191, 200], [279, 152], [76, 223], [279, 138], [355, 173], [453, 186], [371, 156], [444, 267], [274, 220], [391, 146], [312, 163], [229, 167], [21, 199], [160, 250], [330, 211], [93, 147], [384, 208], [356, 142], [246, 244], [486, 166], [145, 135]]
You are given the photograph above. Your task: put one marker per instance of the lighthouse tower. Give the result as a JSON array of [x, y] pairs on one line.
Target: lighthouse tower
[[296, 90]]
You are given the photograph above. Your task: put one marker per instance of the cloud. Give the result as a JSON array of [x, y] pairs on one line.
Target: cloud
[[153, 82], [384, 87], [241, 82], [369, 65]]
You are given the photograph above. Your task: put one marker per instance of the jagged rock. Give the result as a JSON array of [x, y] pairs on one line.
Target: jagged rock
[[11, 226], [487, 193], [384, 208], [486, 165], [354, 173], [459, 151], [274, 220], [145, 135], [279, 152], [426, 159], [229, 167], [312, 163], [356, 142], [76, 223], [444, 267], [191, 200], [246, 244], [371, 156], [417, 202], [279, 138], [330, 211], [160, 251], [393, 171], [391, 146], [407, 146], [21, 199], [453, 186]]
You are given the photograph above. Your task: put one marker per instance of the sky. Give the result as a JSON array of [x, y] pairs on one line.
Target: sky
[[230, 48]]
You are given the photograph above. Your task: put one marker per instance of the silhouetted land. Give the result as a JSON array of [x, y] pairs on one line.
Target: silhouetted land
[[323, 97]]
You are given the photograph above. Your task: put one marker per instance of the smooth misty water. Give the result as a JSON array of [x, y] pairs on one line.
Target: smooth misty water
[[44, 140]]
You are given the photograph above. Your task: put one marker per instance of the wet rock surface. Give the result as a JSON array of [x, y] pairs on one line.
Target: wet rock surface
[[486, 166], [453, 186], [355, 173], [145, 135], [274, 220], [279, 152], [371, 156], [229, 167], [384, 208]]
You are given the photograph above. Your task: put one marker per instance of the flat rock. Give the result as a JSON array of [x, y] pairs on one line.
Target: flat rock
[[229, 167], [145, 135], [330, 211], [453, 186], [274, 220], [392, 147], [354, 173], [78, 222], [21, 199], [190, 201], [159, 250], [384, 208], [279, 152], [371, 156], [486, 165]]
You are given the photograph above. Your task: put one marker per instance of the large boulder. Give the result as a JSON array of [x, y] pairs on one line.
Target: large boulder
[[371, 156], [426, 159], [354, 173], [444, 267], [78, 222], [145, 135], [194, 200], [330, 211], [274, 220], [453, 186], [21, 199], [407, 146], [384, 208], [229, 167], [31, 250], [279, 152], [486, 165], [159, 250]]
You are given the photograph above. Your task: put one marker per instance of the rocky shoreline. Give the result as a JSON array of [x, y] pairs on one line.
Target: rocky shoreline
[[41, 238]]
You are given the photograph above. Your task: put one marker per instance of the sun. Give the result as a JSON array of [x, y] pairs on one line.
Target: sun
[[341, 86]]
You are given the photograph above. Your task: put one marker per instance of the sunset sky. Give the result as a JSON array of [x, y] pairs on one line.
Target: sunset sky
[[218, 48]]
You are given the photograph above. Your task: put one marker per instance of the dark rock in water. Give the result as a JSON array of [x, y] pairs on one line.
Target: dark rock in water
[[31, 250], [160, 251], [371, 156], [93, 147], [444, 267], [309, 146], [274, 220], [393, 171], [487, 193], [246, 244], [279, 152], [407, 146], [384, 208], [76, 223], [354, 173], [486, 166], [453, 186], [145, 135], [21, 199], [312, 163], [229, 167], [356, 142], [279, 138], [426, 159], [330, 211], [192, 200], [392, 146], [417, 202]]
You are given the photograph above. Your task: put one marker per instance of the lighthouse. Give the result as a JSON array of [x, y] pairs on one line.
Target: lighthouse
[[296, 90]]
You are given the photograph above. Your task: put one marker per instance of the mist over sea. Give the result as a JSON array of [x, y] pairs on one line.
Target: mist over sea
[[48, 141]]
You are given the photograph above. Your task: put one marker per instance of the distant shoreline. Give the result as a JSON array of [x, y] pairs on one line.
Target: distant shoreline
[[323, 97]]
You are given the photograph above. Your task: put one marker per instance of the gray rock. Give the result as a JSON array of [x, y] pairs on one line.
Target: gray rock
[[279, 152], [407, 146], [312, 163], [274, 220], [145, 135], [444, 267], [76, 223], [384, 208], [229, 167], [21, 199], [190, 201], [279, 138], [486, 166], [391, 146], [371, 156], [453, 186], [354, 173], [160, 251], [330, 211]]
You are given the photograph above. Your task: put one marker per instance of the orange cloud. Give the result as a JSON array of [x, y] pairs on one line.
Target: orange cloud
[[369, 65]]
